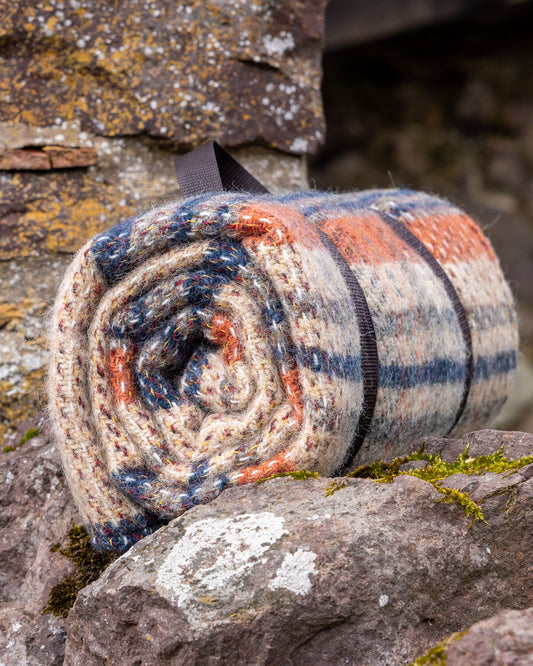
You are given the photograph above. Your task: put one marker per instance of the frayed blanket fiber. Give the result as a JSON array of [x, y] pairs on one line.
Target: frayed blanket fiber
[[224, 338]]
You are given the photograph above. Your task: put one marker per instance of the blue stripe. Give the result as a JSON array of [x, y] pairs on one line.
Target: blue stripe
[[436, 371], [496, 364], [111, 251], [332, 365], [179, 229], [156, 391], [193, 375], [134, 482], [390, 376], [360, 201], [273, 313], [193, 490], [122, 535]]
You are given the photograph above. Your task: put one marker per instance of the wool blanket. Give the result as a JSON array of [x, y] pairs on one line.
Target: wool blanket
[[219, 340]]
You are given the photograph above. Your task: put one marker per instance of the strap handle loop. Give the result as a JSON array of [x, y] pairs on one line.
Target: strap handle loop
[[209, 168]]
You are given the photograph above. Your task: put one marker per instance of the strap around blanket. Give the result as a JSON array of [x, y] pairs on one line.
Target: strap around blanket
[[369, 352]]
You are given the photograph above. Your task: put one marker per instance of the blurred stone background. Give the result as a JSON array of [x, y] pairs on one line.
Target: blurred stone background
[[96, 100]]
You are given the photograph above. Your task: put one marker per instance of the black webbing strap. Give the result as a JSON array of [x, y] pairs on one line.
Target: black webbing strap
[[209, 168], [409, 237], [369, 352]]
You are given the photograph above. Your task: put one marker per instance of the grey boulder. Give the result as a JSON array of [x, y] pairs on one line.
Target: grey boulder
[[284, 573]]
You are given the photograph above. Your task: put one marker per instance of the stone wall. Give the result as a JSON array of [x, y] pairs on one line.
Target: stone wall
[[448, 109], [95, 102]]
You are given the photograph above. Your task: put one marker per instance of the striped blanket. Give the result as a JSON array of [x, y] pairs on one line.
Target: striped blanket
[[221, 339]]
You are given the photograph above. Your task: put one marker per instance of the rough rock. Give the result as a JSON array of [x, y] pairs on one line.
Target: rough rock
[[240, 72], [36, 512], [283, 573], [514, 445], [505, 639]]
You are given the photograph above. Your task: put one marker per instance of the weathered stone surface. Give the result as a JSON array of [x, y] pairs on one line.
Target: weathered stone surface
[[503, 640], [26, 293], [31, 641], [240, 72], [280, 573], [36, 511], [50, 157], [514, 445], [58, 208], [479, 443]]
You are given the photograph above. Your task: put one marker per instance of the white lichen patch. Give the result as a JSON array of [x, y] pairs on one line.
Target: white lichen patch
[[278, 45], [214, 554], [294, 572], [299, 145]]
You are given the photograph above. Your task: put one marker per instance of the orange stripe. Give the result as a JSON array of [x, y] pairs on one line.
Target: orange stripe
[[222, 334], [273, 466], [291, 382], [120, 370], [275, 223], [451, 237], [366, 239]]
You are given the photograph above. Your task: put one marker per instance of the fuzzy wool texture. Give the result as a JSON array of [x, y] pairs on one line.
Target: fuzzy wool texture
[[215, 341]]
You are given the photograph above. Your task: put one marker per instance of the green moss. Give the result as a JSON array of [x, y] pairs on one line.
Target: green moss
[[300, 475], [334, 486], [454, 496], [89, 566], [436, 470], [381, 471], [434, 657], [30, 434], [437, 656], [465, 464]]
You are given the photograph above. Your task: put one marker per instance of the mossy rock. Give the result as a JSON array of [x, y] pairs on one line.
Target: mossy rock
[[89, 567]]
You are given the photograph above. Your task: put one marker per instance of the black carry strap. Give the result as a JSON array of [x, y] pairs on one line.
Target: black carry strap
[[210, 168]]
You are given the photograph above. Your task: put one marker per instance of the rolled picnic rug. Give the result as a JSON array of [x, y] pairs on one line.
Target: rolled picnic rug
[[219, 340]]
